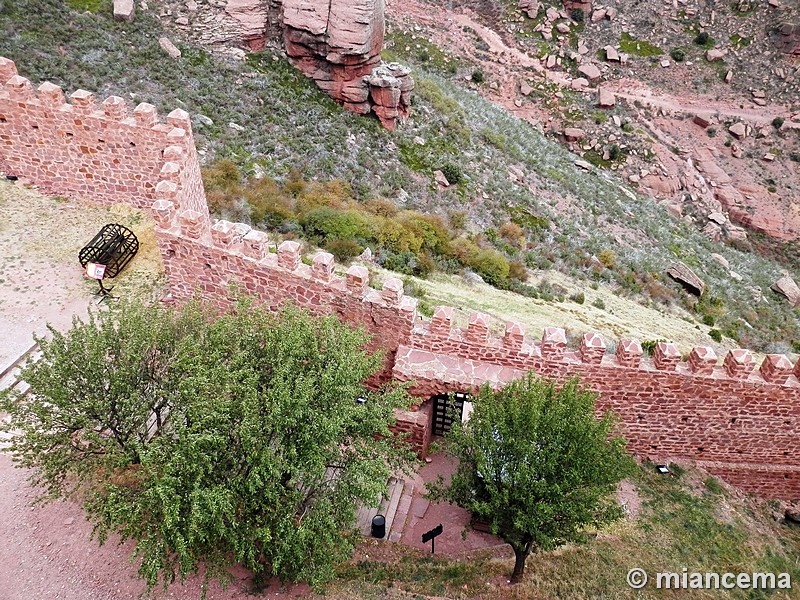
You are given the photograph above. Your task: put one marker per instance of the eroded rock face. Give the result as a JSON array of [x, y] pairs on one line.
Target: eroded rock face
[[252, 18], [337, 43]]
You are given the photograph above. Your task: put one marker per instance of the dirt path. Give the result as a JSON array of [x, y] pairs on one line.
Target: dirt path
[[633, 90]]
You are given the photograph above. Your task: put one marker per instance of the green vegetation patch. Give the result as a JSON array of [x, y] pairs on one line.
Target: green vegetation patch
[[630, 45], [93, 6], [737, 41]]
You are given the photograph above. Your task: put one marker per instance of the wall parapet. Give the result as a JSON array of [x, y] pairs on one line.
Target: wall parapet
[[100, 151], [516, 350], [220, 259]]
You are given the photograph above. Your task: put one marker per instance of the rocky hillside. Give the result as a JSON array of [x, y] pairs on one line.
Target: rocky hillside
[[700, 106], [484, 147]]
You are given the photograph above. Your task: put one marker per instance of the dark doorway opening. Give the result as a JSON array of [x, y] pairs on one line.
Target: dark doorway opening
[[444, 408]]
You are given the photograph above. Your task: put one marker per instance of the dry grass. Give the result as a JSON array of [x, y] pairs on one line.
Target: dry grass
[[621, 318], [41, 280]]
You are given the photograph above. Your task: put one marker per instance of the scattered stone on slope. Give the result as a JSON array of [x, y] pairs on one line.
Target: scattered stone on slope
[[590, 71], [441, 179], [687, 278], [605, 98], [721, 260], [787, 287], [531, 7], [738, 130], [124, 10], [169, 47], [573, 134]]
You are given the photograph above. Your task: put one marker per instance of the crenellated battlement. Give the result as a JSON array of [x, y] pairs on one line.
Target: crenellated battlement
[[515, 350], [739, 422], [105, 150]]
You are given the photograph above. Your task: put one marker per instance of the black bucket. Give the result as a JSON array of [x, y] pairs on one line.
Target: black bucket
[[379, 526]]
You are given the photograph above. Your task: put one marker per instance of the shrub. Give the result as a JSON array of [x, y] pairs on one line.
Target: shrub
[[433, 232], [598, 303], [343, 250], [708, 320], [777, 122], [329, 223], [223, 175], [452, 172], [333, 193], [711, 132], [577, 15], [702, 38], [677, 54], [716, 335], [392, 235], [407, 263], [269, 205], [607, 258], [511, 232], [578, 298], [649, 346], [477, 76], [517, 271], [491, 265], [381, 207]]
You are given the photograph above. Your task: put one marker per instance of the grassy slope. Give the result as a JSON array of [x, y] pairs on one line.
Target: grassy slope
[[685, 521]]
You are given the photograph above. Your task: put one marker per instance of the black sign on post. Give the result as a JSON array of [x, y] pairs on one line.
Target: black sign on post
[[430, 536]]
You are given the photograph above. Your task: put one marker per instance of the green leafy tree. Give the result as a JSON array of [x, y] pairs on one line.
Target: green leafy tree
[[211, 439], [535, 464]]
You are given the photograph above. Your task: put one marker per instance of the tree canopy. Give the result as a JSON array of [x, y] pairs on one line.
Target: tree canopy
[[211, 438], [536, 464]]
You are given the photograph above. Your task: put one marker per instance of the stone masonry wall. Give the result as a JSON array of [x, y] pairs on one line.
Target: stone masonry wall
[[215, 261], [101, 151], [738, 422]]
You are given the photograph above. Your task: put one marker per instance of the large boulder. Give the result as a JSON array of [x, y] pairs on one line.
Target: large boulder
[[687, 278], [124, 10], [787, 287]]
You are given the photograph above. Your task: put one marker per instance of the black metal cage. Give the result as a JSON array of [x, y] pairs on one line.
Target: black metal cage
[[114, 246]]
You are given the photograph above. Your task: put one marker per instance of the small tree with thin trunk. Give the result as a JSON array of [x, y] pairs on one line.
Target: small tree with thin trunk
[[536, 465]]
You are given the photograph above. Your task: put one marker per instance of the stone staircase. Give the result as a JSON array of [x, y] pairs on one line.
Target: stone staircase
[[394, 507], [9, 380]]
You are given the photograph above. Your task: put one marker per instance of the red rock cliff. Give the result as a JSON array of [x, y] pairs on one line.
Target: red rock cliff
[[337, 43]]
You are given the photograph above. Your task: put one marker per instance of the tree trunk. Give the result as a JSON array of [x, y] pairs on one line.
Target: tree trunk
[[520, 556]]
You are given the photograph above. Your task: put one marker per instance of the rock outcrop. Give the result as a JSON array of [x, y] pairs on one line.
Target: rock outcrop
[[788, 39], [337, 43], [787, 287], [687, 278]]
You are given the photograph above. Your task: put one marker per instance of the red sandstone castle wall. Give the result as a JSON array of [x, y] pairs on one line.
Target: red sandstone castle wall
[[104, 152], [213, 261], [739, 424]]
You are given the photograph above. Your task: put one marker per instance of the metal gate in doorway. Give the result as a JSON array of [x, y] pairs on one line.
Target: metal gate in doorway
[[443, 407]]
